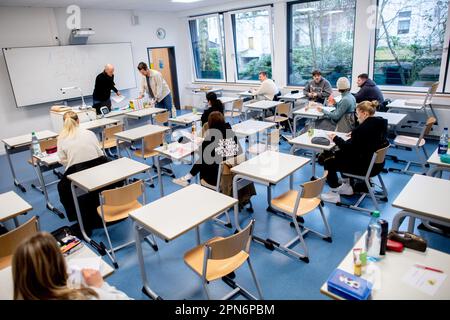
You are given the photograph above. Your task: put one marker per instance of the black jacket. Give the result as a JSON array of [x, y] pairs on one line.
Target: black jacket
[[88, 202], [369, 91], [103, 86], [207, 112], [208, 164], [366, 138]]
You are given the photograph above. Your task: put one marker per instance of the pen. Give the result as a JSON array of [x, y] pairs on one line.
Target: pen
[[428, 268]]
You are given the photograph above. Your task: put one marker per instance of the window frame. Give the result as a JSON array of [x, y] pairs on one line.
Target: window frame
[[290, 4], [222, 48], [233, 35]]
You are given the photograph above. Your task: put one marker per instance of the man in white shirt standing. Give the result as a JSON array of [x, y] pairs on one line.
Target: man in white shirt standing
[[154, 84], [268, 88]]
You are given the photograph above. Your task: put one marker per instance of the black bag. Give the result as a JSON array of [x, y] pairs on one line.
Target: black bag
[[325, 156]]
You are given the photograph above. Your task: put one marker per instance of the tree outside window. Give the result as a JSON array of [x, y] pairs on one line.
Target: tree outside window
[[321, 37], [409, 42]]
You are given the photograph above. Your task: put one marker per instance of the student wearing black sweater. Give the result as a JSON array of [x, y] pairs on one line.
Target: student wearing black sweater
[[220, 143], [104, 83], [214, 104], [368, 91], [355, 154]]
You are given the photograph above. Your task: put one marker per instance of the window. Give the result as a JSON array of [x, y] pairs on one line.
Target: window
[[409, 42], [207, 47], [320, 37], [252, 43]]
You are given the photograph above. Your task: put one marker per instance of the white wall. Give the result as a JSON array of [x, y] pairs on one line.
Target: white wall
[[24, 27]]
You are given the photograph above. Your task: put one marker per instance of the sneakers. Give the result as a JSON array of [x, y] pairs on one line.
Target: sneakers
[[331, 196], [345, 189], [181, 181]]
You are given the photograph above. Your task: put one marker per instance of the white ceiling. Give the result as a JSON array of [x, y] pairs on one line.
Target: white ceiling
[[147, 5]]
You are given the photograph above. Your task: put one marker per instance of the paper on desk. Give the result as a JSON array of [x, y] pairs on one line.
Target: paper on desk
[[85, 263], [424, 280], [118, 99]]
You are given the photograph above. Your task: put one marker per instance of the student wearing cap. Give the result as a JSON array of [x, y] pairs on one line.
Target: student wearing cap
[[342, 118], [318, 89]]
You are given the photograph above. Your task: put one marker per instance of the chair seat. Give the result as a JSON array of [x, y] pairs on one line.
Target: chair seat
[[277, 118], [116, 213], [216, 268], [286, 203], [110, 143], [5, 261], [207, 185], [147, 154], [408, 141], [232, 114]]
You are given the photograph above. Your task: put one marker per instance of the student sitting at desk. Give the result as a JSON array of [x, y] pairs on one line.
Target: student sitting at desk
[[342, 118], [318, 89], [219, 132], [268, 89], [78, 149], [40, 273], [214, 104], [355, 154]]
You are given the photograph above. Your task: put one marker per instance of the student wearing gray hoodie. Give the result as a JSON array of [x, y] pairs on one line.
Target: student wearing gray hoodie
[[318, 89]]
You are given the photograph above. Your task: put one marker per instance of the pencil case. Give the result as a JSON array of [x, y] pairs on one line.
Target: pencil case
[[409, 240], [51, 150], [445, 158]]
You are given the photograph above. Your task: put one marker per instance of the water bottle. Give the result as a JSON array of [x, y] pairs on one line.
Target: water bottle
[[373, 240], [443, 142], [35, 146], [174, 112]]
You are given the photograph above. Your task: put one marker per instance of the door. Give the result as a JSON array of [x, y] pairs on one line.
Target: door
[[162, 59]]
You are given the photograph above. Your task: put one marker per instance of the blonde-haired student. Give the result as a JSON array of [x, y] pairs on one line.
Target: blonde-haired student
[[40, 273]]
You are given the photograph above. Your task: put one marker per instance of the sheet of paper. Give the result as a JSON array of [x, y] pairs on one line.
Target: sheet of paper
[[424, 280], [86, 263], [117, 99]]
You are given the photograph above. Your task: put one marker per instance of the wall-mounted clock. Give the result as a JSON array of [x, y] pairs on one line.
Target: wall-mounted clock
[[161, 33]]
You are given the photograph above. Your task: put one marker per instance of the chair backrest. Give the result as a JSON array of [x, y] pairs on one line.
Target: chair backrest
[[123, 195], [431, 92], [381, 154], [284, 108], [232, 245], [313, 189], [162, 117], [9, 241], [274, 137], [111, 131], [237, 105], [426, 129], [48, 143], [153, 141]]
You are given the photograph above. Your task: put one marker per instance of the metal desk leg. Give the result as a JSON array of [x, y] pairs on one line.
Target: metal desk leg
[[158, 168], [269, 199], [146, 286], [16, 222], [236, 206], [44, 189], [291, 181], [411, 224], [13, 173], [197, 234], [313, 160]]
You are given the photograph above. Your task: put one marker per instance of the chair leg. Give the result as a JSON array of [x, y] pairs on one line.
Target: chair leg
[[255, 280], [109, 241], [300, 236], [383, 186], [372, 195], [325, 221], [205, 287]]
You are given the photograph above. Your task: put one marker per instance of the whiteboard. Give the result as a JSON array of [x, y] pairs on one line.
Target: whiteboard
[[38, 73]]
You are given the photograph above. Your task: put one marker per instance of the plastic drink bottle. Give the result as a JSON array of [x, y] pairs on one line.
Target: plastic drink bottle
[[443, 142], [35, 146], [373, 240]]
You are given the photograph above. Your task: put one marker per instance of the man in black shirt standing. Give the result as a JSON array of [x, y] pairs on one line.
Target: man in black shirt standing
[[104, 83]]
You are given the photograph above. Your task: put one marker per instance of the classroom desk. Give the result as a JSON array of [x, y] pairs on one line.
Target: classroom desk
[[262, 106], [139, 133], [303, 141], [185, 119], [176, 151], [98, 177], [170, 217], [310, 112], [6, 279], [438, 165], [143, 113], [292, 97], [98, 123], [250, 127], [20, 144], [425, 198], [267, 168], [392, 268], [226, 100], [412, 105], [47, 163], [12, 206], [393, 119]]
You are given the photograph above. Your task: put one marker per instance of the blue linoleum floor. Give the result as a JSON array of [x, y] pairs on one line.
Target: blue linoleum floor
[[280, 277]]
